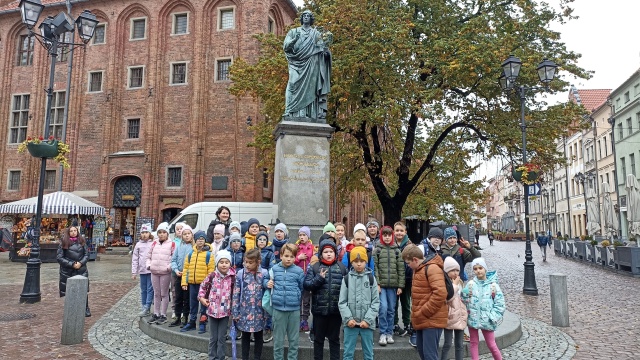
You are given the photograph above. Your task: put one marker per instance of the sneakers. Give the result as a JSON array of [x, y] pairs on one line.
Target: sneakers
[[161, 320], [268, 336], [304, 326], [413, 339], [144, 313], [173, 316], [175, 323], [202, 328], [390, 339], [383, 340], [184, 321], [191, 325], [466, 337], [153, 319], [312, 336], [400, 331]]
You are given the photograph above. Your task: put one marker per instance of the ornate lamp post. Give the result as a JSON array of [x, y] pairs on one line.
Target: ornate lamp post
[[50, 30], [510, 71]]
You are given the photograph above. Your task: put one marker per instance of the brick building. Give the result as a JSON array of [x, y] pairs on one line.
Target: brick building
[[152, 127]]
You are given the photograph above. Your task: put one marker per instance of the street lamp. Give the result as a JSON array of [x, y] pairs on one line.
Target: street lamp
[[50, 30], [546, 72]]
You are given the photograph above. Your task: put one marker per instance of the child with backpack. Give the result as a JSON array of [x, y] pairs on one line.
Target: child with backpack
[[197, 266], [215, 294], [324, 280], [429, 293], [181, 299], [138, 267], [457, 313], [359, 305], [485, 304], [159, 264], [359, 239], [247, 309], [237, 251], [287, 282], [389, 271], [267, 261], [305, 253]]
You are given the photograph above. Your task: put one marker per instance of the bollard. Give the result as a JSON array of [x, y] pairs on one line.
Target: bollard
[[559, 300], [75, 302]]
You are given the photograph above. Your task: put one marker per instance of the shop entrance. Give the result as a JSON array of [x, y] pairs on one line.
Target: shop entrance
[[127, 194]]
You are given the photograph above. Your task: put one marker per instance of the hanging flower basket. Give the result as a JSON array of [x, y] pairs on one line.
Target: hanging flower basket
[[51, 149], [527, 173]]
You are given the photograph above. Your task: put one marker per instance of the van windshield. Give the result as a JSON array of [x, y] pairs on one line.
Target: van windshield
[[190, 219]]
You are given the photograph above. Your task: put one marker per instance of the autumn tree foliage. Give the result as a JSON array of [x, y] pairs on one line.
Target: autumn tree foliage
[[415, 97]]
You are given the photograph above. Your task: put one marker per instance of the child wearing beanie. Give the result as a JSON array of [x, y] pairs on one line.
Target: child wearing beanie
[[237, 251], [218, 239], [181, 298], [305, 252], [281, 237], [197, 266], [253, 228], [485, 305], [359, 239], [215, 294], [359, 304], [457, 313]]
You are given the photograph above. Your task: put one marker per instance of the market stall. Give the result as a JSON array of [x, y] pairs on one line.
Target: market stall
[[60, 210]]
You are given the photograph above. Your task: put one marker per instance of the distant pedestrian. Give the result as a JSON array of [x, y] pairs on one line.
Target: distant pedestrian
[[72, 256], [138, 267], [478, 237], [543, 241], [491, 237], [485, 305]]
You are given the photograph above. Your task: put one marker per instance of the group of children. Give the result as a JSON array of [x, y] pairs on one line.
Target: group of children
[[263, 286]]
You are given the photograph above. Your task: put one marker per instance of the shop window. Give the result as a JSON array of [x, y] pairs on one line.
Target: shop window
[[19, 119]]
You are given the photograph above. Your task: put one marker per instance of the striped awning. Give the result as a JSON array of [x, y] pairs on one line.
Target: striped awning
[[59, 202]]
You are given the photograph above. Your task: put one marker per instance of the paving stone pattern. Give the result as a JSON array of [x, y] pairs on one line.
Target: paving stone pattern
[[603, 319]]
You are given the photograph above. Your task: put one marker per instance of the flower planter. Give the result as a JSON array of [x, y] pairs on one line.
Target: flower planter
[[517, 175], [43, 149], [563, 247], [610, 257], [571, 249], [601, 255], [581, 250], [591, 253], [628, 259]]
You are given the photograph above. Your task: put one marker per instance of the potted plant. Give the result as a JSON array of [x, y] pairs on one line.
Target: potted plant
[[581, 249], [526, 174], [50, 149]]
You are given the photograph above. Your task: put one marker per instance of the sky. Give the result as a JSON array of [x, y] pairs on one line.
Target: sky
[[606, 34]]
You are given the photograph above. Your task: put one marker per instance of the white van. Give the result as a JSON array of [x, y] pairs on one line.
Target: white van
[[200, 215]]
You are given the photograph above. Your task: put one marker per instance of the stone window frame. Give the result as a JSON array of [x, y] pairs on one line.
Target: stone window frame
[[30, 50], [174, 23], [11, 172], [127, 124], [129, 69], [20, 112], [50, 176], [186, 73], [272, 27], [166, 176], [222, 9], [131, 22], [217, 62], [104, 42], [90, 73]]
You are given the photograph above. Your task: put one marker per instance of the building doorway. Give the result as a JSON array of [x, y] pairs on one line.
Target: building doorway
[[127, 194], [170, 213]]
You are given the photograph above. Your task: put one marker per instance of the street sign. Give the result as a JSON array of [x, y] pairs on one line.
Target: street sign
[[534, 190]]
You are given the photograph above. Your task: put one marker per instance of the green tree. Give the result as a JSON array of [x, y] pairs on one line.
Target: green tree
[[414, 95]]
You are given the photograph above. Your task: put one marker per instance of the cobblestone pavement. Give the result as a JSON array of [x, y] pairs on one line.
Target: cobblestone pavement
[[601, 302], [39, 337]]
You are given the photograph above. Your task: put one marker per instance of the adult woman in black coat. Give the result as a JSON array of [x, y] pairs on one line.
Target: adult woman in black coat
[[72, 256], [223, 216]]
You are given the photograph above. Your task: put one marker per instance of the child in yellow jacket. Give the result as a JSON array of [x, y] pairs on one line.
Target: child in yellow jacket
[[197, 266]]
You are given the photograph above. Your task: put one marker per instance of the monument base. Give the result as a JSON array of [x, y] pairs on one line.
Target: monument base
[[301, 175]]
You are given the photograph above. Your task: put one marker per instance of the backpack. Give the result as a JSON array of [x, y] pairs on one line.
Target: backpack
[[206, 260], [448, 283], [346, 279]]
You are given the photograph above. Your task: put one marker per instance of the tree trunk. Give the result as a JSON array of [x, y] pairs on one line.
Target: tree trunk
[[392, 211]]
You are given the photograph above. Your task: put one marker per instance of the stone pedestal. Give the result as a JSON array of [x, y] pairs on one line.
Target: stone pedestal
[[301, 176], [75, 303]]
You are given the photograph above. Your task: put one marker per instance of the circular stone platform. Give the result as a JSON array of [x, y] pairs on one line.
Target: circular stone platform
[[507, 334]]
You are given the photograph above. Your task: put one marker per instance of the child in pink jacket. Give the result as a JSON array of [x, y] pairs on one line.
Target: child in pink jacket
[[159, 264], [305, 252], [215, 293], [139, 267], [457, 313]]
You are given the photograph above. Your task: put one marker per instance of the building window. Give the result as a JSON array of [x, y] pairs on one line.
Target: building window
[[19, 119], [632, 162], [57, 114], [14, 180], [174, 177], [599, 150], [25, 50], [605, 146], [95, 81], [607, 177], [271, 26], [265, 178], [617, 103], [222, 70], [226, 19], [178, 73], [100, 34], [624, 169], [138, 29], [636, 89], [629, 126], [638, 120], [136, 76], [133, 129], [626, 97], [50, 180], [620, 132], [63, 51], [180, 24]]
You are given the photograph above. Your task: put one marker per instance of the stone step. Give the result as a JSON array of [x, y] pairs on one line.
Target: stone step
[[507, 334]]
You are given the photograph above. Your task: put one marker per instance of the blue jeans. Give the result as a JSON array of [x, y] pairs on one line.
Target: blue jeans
[[388, 298], [194, 303], [427, 343], [351, 338], [146, 291]]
